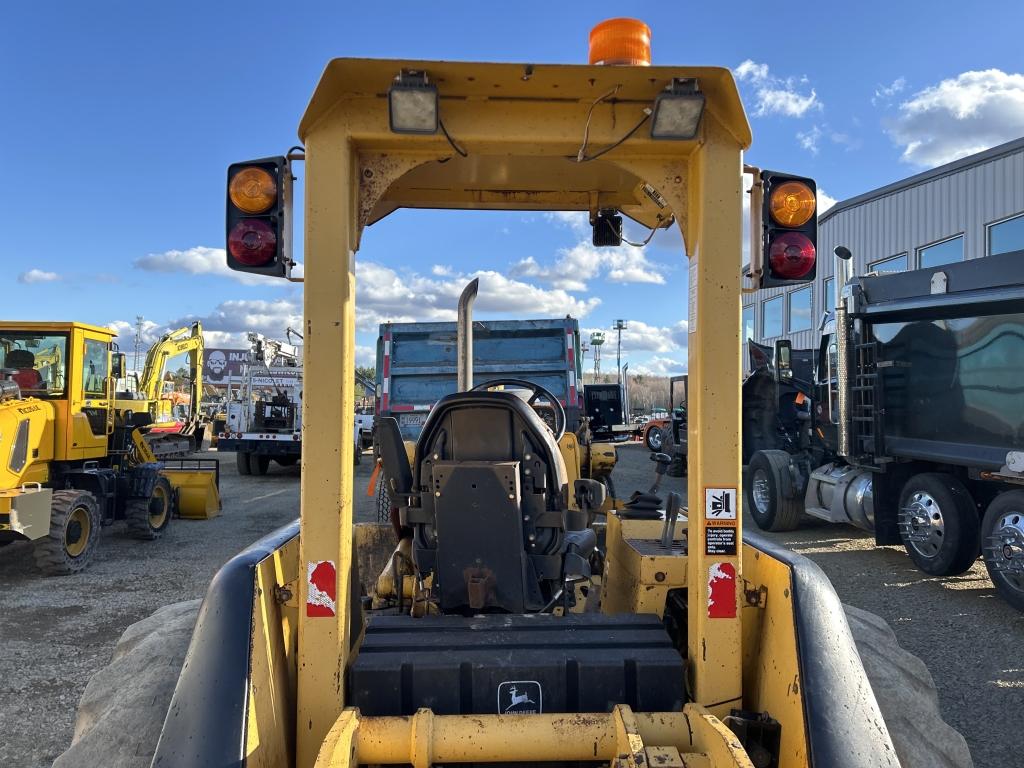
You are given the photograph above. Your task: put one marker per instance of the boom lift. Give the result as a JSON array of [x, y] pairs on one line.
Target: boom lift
[[264, 414], [71, 462], [167, 435], [705, 647]]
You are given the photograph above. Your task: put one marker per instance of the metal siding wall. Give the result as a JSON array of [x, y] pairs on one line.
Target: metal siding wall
[[904, 221]]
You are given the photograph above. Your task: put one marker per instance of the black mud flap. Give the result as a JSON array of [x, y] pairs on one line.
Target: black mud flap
[[845, 728]]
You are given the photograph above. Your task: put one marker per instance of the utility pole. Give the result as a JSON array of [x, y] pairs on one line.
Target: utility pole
[[139, 319], [620, 326]]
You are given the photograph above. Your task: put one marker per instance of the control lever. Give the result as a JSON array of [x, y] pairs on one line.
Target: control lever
[[675, 503]]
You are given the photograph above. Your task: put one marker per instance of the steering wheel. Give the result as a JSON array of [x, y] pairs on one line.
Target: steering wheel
[[538, 391]]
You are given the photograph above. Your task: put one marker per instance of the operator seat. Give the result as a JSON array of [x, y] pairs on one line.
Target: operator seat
[[26, 376], [488, 504]]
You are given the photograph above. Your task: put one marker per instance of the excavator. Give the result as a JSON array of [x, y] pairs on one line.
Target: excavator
[[72, 462], [176, 427], [495, 623]]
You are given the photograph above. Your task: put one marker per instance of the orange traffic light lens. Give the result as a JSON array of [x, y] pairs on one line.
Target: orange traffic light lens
[[621, 42], [252, 190], [792, 204]]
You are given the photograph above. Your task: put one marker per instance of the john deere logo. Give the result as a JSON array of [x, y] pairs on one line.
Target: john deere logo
[[520, 697]]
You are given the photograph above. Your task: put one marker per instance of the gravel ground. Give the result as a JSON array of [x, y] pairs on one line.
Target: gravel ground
[[56, 632]]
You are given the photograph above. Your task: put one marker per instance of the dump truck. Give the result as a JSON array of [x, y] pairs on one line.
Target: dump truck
[[912, 426], [417, 362], [491, 625], [72, 462]]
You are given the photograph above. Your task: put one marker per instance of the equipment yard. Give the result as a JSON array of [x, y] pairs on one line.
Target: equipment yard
[[79, 618]]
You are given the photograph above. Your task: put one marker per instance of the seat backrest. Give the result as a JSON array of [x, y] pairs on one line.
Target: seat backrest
[[492, 490], [26, 376]]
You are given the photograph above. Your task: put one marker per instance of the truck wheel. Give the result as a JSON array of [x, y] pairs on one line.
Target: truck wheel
[[242, 462], [74, 534], [906, 696], [653, 439], [259, 463], [939, 524], [122, 711], [148, 518], [1002, 544], [383, 502], [769, 493], [357, 457]]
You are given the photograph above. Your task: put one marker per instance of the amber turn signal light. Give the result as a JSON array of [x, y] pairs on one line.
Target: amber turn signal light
[[253, 190], [792, 204]]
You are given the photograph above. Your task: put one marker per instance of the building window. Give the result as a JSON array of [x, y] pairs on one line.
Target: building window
[[946, 252], [800, 310], [828, 301], [892, 264], [748, 323], [771, 318], [1007, 235]]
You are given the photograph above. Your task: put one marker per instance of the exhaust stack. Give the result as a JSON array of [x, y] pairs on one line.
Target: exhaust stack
[[843, 274], [464, 335]]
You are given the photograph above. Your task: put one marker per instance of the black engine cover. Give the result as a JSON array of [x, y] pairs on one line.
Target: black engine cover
[[515, 664]]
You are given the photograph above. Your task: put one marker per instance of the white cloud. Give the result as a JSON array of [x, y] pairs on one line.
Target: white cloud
[[148, 333], [884, 93], [202, 260], [960, 116], [38, 276], [775, 95], [809, 139], [643, 337], [657, 365], [366, 356], [825, 201], [575, 266]]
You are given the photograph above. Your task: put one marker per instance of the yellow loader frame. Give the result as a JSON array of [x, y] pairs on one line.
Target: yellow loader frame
[[265, 680]]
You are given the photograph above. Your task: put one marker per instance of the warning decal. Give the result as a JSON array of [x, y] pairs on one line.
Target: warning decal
[[720, 540], [722, 591], [720, 504], [322, 592]]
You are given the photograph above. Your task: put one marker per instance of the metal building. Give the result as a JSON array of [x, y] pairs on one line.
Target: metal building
[[967, 209]]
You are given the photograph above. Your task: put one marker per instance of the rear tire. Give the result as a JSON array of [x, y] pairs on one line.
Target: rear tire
[[242, 462], [769, 492], [148, 518], [258, 463], [653, 439], [937, 506], [1002, 534], [906, 696], [74, 534], [124, 706]]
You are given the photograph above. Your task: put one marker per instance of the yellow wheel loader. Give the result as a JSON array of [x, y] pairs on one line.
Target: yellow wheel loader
[[694, 645], [69, 463]]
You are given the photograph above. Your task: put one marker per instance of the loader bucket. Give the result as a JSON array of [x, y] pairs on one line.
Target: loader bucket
[[196, 483]]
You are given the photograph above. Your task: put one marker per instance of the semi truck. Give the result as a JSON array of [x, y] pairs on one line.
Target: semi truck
[[912, 426]]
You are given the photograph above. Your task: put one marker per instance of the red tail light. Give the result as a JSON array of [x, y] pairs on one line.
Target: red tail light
[[792, 255], [252, 242]]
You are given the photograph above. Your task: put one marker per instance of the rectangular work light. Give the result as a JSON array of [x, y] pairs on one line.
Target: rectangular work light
[[412, 103], [677, 110]]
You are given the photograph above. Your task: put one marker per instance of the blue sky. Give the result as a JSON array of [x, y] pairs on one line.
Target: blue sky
[[120, 118]]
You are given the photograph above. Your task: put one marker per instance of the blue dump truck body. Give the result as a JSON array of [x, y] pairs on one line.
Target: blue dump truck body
[[416, 364]]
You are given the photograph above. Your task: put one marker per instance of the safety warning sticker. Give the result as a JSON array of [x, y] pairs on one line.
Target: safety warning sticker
[[720, 540], [720, 504], [322, 591]]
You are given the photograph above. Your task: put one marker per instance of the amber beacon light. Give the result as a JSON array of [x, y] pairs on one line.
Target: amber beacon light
[[621, 42]]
